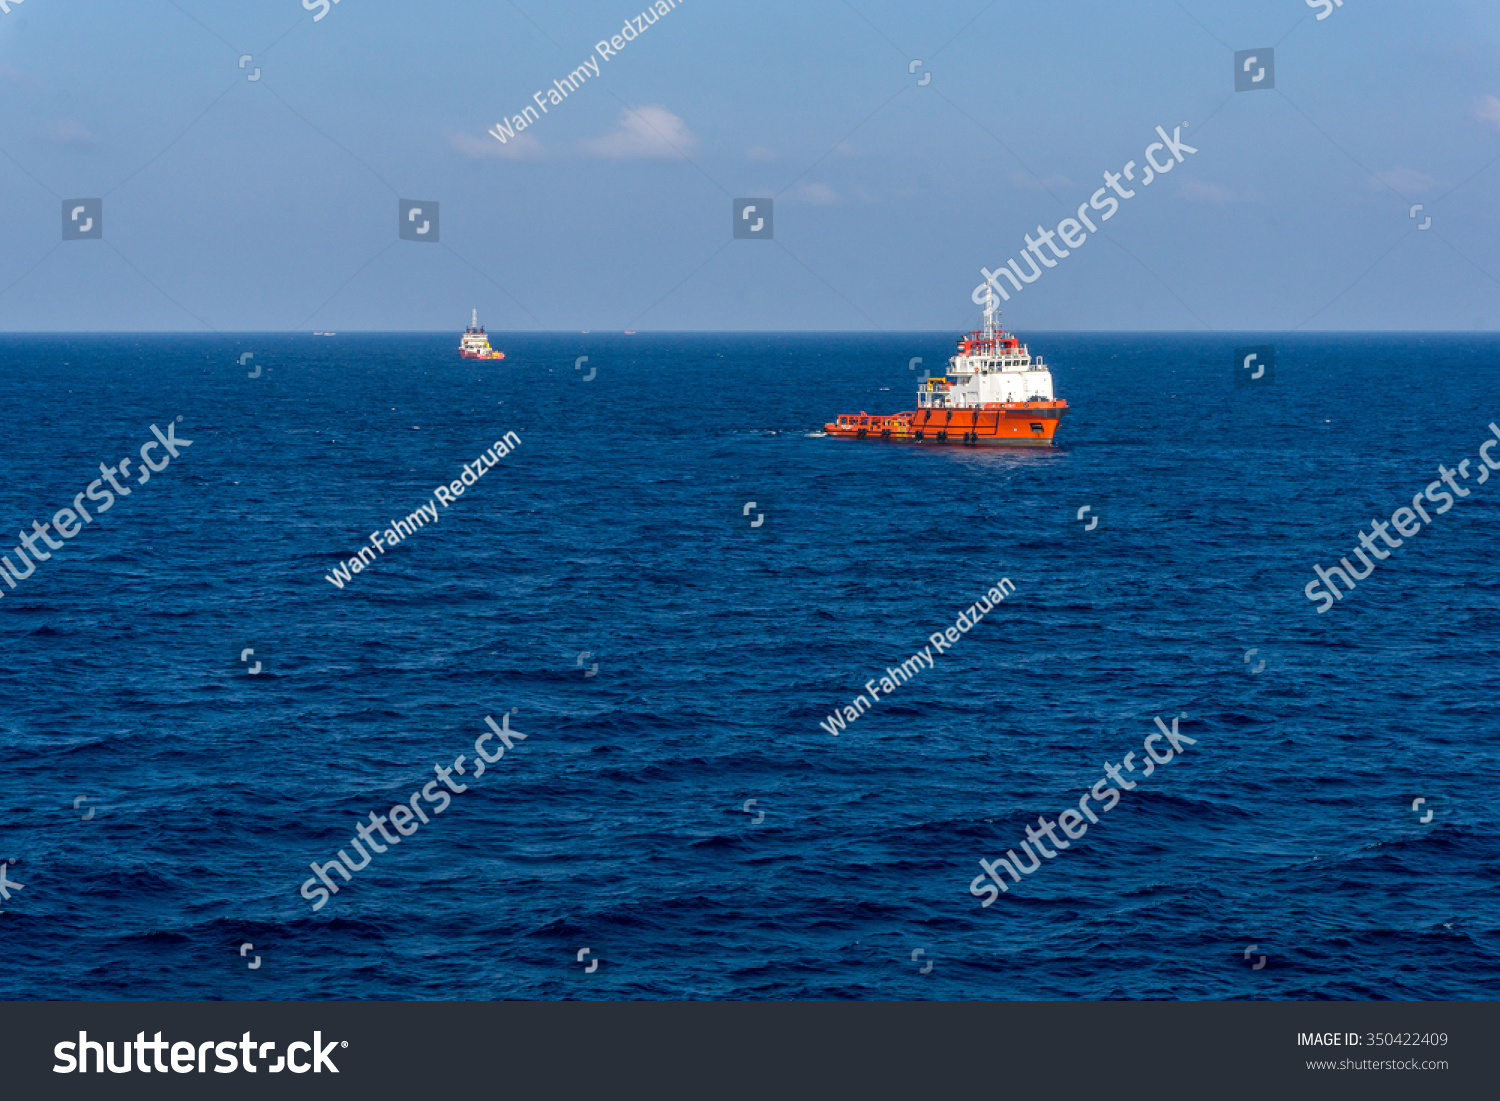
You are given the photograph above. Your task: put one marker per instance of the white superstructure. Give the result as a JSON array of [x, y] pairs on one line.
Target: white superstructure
[[991, 368]]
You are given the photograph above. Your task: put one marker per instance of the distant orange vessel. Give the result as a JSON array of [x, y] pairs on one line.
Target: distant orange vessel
[[475, 344], [994, 395]]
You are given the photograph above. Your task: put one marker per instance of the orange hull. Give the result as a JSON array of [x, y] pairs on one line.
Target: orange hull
[[1011, 424]]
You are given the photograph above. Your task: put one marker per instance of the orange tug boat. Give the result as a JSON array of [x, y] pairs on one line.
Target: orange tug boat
[[475, 344], [995, 395]]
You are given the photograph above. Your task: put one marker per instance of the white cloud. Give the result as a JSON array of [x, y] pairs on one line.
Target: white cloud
[[1198, 191], [1488, 111], [1406, 179], [644, 133], [73, 132], [819, 194], [16, 76], [522, 147]]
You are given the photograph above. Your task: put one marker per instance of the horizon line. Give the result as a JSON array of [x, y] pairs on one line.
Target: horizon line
[[717, 332]]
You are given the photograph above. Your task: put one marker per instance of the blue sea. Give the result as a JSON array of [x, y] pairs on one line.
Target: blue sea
[[675, 809]]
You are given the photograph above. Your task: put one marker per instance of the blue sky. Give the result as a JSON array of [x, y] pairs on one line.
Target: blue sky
[[234, 205]]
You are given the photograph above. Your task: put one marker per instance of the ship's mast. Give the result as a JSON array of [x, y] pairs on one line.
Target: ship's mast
[[990, 302], [475, 323]]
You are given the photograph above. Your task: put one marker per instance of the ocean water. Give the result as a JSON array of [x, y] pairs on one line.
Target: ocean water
[[162, 803]]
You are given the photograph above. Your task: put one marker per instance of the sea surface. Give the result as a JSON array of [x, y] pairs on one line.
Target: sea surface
[[606, 591]]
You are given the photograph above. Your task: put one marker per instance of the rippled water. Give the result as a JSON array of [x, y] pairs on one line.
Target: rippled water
[[617, 529]]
